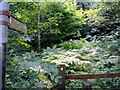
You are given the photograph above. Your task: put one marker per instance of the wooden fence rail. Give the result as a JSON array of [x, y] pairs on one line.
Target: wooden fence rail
[[91, 76], [86, 84]]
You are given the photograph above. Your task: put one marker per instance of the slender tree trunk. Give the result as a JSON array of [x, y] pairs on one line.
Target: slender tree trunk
[[39, 32]]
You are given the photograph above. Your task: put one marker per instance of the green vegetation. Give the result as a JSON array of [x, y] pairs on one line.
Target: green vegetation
[[85, 40]]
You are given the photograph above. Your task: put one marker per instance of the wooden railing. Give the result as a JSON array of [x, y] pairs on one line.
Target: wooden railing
[[86, 84]]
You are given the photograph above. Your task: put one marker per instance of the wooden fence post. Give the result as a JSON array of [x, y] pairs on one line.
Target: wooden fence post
[[86, 85], [6, 21], [62, 74], [4, 14]]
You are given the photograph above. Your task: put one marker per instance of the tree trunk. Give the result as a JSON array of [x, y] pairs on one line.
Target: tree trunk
[[38, 32]]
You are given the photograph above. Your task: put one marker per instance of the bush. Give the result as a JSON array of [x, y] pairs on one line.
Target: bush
[[29, 71]]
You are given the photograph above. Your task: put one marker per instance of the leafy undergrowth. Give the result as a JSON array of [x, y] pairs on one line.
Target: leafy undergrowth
[[33, 70], [95, 57]]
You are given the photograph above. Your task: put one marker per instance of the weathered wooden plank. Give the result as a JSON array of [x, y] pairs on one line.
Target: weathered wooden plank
[[16, 24], [13, 23], [91, 76]]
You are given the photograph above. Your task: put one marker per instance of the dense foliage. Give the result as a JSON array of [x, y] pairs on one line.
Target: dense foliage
[[86, 40], [56, 21]]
